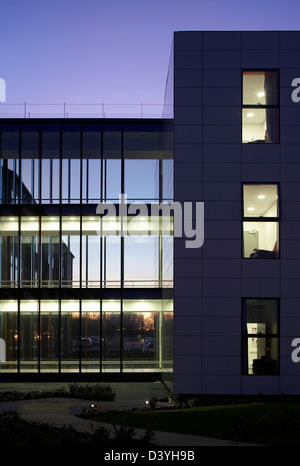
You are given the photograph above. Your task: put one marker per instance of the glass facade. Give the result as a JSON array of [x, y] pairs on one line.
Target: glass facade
[[86, 335], [71, 252], [77, 296], [52, 163]]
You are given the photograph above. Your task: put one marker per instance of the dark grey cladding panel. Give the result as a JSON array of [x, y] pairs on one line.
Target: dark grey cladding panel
[[187, 59], [222, 153], [188, 325], [221, 78], [260, 59], [290, 211], [260, 288], [289, 229], [219, 40], [188, 364], [287, 75], [188, 115], [290, 116], [189, 134], [218, 97], [289, 40], [221, 249], [219, 115], [222, 134], [290, 134], [187, 78], [290, 191], [264, 268], [222, 268], [188, 40], [290, 268], [289, 58], [188, 172], [290, 249], [231, 229], [221, 190], [217, 306], [261, 153], [289, 153], [290, 172], [188, 153], [191, 96], [222, 59], [260, 40], [266, 172]]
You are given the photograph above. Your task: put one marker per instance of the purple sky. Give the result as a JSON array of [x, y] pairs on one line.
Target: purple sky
[[112, 51]]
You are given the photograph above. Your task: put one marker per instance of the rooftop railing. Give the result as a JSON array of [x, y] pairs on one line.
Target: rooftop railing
[[86, 283], [95, 110]]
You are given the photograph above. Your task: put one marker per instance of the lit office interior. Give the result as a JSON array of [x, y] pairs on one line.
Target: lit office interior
[[260, 339], [260, 221], [260, 112], [85, 335]]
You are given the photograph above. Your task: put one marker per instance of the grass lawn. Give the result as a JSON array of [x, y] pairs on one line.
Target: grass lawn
[[262, 423]]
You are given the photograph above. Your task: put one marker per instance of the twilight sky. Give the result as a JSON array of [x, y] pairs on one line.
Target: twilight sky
[[112, 51]]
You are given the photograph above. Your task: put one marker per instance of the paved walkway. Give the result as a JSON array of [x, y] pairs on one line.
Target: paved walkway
[[64, 412]]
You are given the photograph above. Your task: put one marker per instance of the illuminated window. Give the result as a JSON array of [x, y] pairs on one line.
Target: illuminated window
[[260, 112], [260, 221], [260, 339]]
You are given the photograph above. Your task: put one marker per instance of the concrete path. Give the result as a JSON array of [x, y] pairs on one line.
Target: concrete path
[[61, 412]]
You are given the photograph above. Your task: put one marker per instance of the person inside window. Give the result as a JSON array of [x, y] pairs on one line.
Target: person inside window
[[267, 139]]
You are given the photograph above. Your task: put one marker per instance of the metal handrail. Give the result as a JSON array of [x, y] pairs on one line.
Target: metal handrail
[[86, 284], [84, 110]]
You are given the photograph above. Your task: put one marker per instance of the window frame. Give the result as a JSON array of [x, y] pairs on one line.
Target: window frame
[[261, 219], [245, 336], [261, 106]]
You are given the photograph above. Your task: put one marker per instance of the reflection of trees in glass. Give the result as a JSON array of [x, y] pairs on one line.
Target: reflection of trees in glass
[[49, 340], [70, 335], [111, 328], [167, 336], [141, 335], [139, 322]]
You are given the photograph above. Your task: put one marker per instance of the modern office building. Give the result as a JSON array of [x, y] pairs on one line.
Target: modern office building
[[80, 301]]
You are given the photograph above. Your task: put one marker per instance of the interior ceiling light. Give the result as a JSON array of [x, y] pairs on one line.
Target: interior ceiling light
[[261, 196], [12, 219], [250, 114], [260, 94], [92, 218], [250, 208], [52, 218]]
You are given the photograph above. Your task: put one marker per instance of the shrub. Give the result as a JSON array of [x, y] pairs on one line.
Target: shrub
[[100, 434], [103, 392]]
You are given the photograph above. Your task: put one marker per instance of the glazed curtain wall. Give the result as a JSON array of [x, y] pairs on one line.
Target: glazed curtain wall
[[65, 251], [85, 335], [52, 163]]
